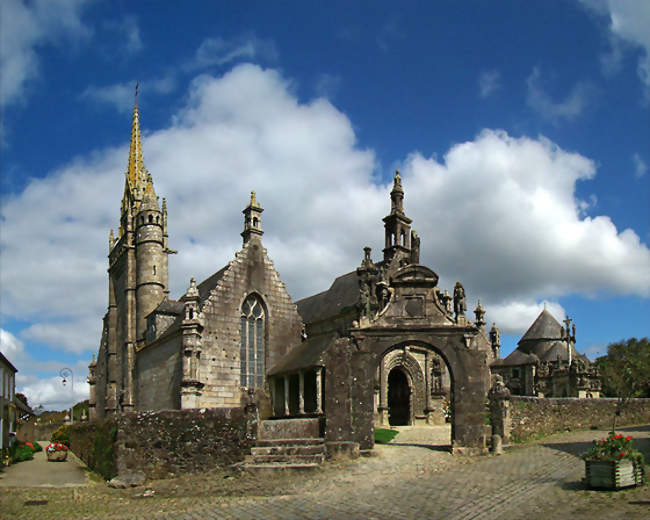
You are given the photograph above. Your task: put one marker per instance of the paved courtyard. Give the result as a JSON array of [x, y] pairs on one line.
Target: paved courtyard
[[413, 478]]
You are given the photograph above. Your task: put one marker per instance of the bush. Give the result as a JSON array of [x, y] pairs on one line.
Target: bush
[[21, 452], [61, 435], [37, 447]]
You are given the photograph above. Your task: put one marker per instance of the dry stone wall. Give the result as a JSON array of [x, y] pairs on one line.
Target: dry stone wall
[[537, 416], [166, 443]]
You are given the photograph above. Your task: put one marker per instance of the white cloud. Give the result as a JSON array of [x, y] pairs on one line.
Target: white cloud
[[218, 52], [569, 108], [515, 317], [489, 82], [498, 213], [46, 391], [640, 166], [628, 22], [121, 95], [24, 27]]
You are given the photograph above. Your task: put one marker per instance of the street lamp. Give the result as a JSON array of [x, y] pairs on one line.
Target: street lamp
[[66, 374]]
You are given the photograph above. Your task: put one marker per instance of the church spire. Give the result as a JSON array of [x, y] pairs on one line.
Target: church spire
[[252, 220], [397, 226], [136, 172]]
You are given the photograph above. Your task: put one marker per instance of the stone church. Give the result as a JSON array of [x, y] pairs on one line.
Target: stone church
[[547, 364], [382, 345]]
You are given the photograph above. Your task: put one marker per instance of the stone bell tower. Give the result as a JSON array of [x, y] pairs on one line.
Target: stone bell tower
[[397, 225], [138, 274]]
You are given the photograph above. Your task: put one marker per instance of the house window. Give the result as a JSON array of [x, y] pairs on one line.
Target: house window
[[251, 352]]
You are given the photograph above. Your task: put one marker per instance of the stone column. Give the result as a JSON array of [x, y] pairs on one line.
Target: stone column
[[301, 392], [319, 390], [383, 394], [500, 416], [286, 395], [428, 387]]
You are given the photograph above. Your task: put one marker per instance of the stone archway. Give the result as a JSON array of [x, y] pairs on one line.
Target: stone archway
[[399, 398]]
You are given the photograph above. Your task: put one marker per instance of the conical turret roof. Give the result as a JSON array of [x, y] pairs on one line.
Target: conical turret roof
[[544, 327]]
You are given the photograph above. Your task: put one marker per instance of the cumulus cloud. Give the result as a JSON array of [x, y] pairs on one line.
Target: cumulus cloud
[[542, 102], [46, 391], [120, 95], [497, 212], [628, 21], [640, 166], [489, 82], [25, 26]]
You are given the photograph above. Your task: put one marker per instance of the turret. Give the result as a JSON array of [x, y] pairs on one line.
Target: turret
[[191, 326], [151, 265], [397, 225], [252, 220]]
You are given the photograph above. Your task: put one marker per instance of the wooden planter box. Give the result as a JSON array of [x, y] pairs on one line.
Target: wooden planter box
[[57, 456], [604, 474]]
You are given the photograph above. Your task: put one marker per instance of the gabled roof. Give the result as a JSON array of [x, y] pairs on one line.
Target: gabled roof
[[516, 358], [7, 362], [211, 282], [171, 307], [308, 354], [544, 327], [343, 294]]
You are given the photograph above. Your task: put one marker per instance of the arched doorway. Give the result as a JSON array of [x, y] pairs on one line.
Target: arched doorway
[[399, 398]]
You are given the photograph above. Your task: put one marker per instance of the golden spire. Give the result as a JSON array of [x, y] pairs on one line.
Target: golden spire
[[136, 173], [254, 203]]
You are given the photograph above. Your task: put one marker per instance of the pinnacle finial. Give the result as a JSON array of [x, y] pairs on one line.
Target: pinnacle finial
[[137, 86], [253, 199], [111, 240]]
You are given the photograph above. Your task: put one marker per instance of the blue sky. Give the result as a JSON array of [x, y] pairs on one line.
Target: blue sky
[[522, 131]]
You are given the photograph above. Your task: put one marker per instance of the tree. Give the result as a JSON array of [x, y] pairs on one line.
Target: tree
[[625, 371]]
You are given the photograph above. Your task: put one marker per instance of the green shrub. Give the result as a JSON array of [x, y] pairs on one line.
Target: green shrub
[[61, 435], [21, 452], [37, 447]]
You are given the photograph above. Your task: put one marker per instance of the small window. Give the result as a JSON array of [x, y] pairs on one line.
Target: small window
[[154, 270], [515, 372], [150, 219], [255, 221]]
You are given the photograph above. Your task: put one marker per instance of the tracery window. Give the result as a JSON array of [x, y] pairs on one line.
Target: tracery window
[[251, 353]]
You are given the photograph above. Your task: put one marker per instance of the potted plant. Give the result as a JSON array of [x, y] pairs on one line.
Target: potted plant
[[613, 463], [56, 452]]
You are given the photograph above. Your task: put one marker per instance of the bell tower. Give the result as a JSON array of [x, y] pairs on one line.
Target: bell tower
[[397, 225], [252, 220]]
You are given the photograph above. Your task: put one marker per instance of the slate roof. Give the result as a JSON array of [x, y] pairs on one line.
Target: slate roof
[[544, 327], [308, 354], [172, 307], [342, 294], [517, 357], [211, 282]]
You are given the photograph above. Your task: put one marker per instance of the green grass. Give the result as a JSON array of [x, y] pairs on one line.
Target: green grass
[[383, 436]]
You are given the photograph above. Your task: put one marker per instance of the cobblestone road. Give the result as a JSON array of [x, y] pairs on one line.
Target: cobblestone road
[[411, 479], [405, 482]]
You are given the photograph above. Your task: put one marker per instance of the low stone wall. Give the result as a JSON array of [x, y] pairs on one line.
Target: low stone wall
[[537, 416], [165, 443], [94, 443]]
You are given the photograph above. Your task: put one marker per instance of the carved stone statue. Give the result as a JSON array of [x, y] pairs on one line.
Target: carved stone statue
[[459, 300], [383, 295], [415, 247], [495, 336], [365, 305]]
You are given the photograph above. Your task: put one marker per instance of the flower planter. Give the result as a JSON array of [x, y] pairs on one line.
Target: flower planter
[[57, 456], [605, 474]]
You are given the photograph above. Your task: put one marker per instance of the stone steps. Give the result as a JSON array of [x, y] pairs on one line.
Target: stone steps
[[287, 445]]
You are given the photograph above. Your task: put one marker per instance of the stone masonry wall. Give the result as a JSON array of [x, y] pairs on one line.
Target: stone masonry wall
[[166, 443], [158, 376], [537, 416], [250, 271]]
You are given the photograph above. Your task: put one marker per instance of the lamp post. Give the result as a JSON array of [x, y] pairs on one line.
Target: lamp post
[[66, 374]]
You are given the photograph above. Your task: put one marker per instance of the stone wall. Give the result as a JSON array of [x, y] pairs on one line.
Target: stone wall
[[537, 416], [158, 375], [166, 443]]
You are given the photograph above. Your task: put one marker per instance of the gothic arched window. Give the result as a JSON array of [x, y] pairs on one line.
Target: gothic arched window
[[251, 353]]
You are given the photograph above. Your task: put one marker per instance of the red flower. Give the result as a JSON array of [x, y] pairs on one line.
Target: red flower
[[622, 454], [628, 438], [31, 446]]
